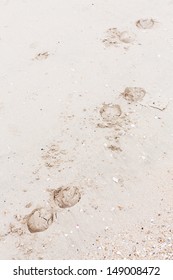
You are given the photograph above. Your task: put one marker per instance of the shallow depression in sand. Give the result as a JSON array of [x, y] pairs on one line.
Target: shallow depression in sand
[[133, 94], [39, 220], [127, 37], [66, 196], [115, 37], [110, 113], [145, 23]]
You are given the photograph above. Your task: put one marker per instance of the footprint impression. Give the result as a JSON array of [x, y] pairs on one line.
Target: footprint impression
[[145, 23], [40, 219], [42, 56], [52, 156], [116, 120], [114, 37], [66, 197], [110, 114], [133, 94]]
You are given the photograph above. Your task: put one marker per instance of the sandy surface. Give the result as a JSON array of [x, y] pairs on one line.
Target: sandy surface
[[86, 103]]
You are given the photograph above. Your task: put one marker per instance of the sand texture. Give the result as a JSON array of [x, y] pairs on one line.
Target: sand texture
[[86, 129]]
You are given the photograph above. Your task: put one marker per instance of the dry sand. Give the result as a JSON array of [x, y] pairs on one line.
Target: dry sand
[[86, 104]]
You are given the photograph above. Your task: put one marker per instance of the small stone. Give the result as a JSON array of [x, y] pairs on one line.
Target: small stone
[[116, 180]]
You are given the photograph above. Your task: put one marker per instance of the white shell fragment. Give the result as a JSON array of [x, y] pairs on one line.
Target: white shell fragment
[[66, 196], [39, 220], [112, 37], [116, 180]]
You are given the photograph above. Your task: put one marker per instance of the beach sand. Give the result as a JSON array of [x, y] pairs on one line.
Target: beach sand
[[86, 106]]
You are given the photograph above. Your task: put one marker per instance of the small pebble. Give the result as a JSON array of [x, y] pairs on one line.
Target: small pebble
[[116, 180]]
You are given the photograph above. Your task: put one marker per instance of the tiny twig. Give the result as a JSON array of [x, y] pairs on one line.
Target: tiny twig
[[160, 109], [154, 107]]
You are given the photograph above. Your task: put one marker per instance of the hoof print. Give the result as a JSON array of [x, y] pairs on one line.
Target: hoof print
[[39, 220], [127, 37], [145, 23], [112, 37], [133, 94], [66, 196], [110, 113], [115, 37]]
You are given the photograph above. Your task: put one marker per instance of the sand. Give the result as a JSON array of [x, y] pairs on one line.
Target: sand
[[86, 106]]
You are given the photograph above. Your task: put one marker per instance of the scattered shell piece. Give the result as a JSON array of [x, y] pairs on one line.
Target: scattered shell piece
[[134, 94], [127, 37], [116, 180], [66, 196], [39, 220], [132, 125], [145, 23]]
